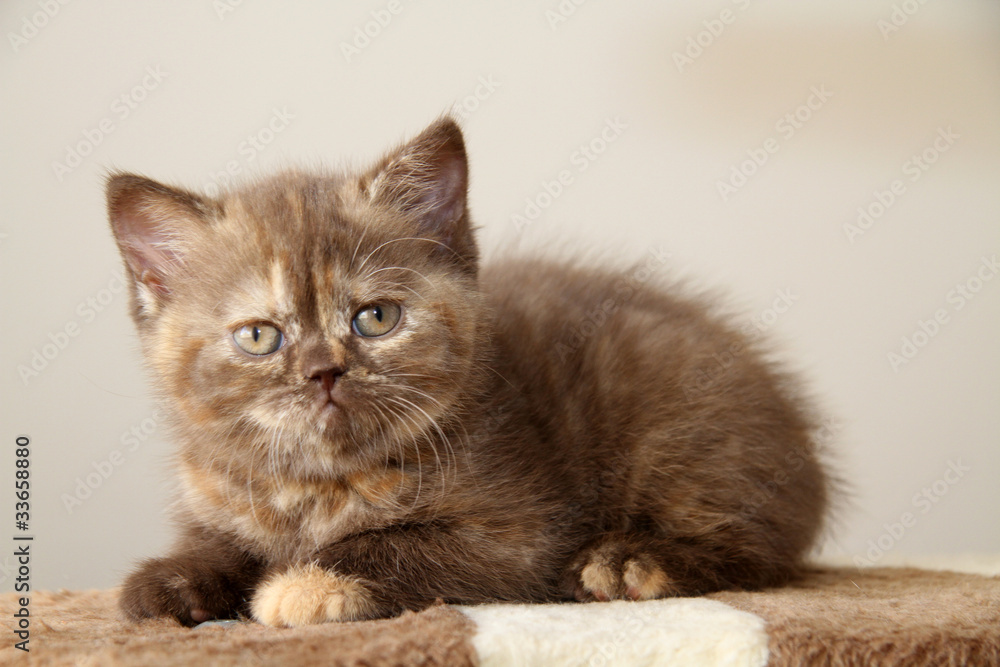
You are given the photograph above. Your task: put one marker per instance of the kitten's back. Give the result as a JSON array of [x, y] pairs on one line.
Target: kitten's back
[[679, 417]]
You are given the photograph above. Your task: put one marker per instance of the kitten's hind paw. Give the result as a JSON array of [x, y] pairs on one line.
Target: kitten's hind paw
[[308, 594], [610, 571]]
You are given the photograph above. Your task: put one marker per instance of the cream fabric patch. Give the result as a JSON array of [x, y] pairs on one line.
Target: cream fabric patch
[[676, 631]]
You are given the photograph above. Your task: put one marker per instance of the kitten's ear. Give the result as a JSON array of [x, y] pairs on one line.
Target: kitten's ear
[[429, 177], [153, 225]]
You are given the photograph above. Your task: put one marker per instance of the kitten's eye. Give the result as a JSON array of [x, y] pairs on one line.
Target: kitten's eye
[[258, 339], [377, 319]]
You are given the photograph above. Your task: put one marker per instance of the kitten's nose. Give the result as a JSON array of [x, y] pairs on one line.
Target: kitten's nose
[[325, 375]]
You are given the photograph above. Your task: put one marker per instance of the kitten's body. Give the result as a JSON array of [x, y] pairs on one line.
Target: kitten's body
[[530, 431]]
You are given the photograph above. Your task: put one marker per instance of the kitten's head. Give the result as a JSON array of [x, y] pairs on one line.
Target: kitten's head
[[324, 320]]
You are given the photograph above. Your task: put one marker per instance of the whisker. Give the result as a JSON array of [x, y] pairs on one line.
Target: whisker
[[406, 238], [420, 468], [499, 375], [444, 440], [364, 232], [399, 268], [397, 444], [450, 449], [383, 284]]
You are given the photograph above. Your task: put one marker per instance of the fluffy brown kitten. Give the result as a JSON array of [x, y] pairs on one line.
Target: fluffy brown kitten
[[368, 421]]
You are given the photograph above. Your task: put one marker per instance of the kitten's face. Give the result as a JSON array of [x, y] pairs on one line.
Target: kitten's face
[[326, 320]]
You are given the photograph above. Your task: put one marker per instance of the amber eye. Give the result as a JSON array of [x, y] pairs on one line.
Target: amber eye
[[377, 319], [258, 339]]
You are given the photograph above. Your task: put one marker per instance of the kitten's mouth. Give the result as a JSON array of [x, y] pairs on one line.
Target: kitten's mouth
[[328, 408], [327, 405]]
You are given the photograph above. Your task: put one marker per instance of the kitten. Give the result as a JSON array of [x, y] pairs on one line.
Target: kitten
[[369, 421]]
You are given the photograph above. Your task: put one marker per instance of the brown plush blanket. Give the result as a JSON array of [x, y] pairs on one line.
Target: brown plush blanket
[[835, 616]]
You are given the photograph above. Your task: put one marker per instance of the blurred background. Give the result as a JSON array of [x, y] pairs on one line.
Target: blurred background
[[834, 166]]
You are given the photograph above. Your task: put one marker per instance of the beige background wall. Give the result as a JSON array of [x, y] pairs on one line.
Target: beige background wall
[[174, 90]]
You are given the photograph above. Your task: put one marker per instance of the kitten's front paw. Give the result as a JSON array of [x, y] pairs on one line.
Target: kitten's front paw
[[308, 594], [183, 588], [610, 571]]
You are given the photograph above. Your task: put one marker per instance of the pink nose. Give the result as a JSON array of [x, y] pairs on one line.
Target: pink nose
[[327, 377]]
